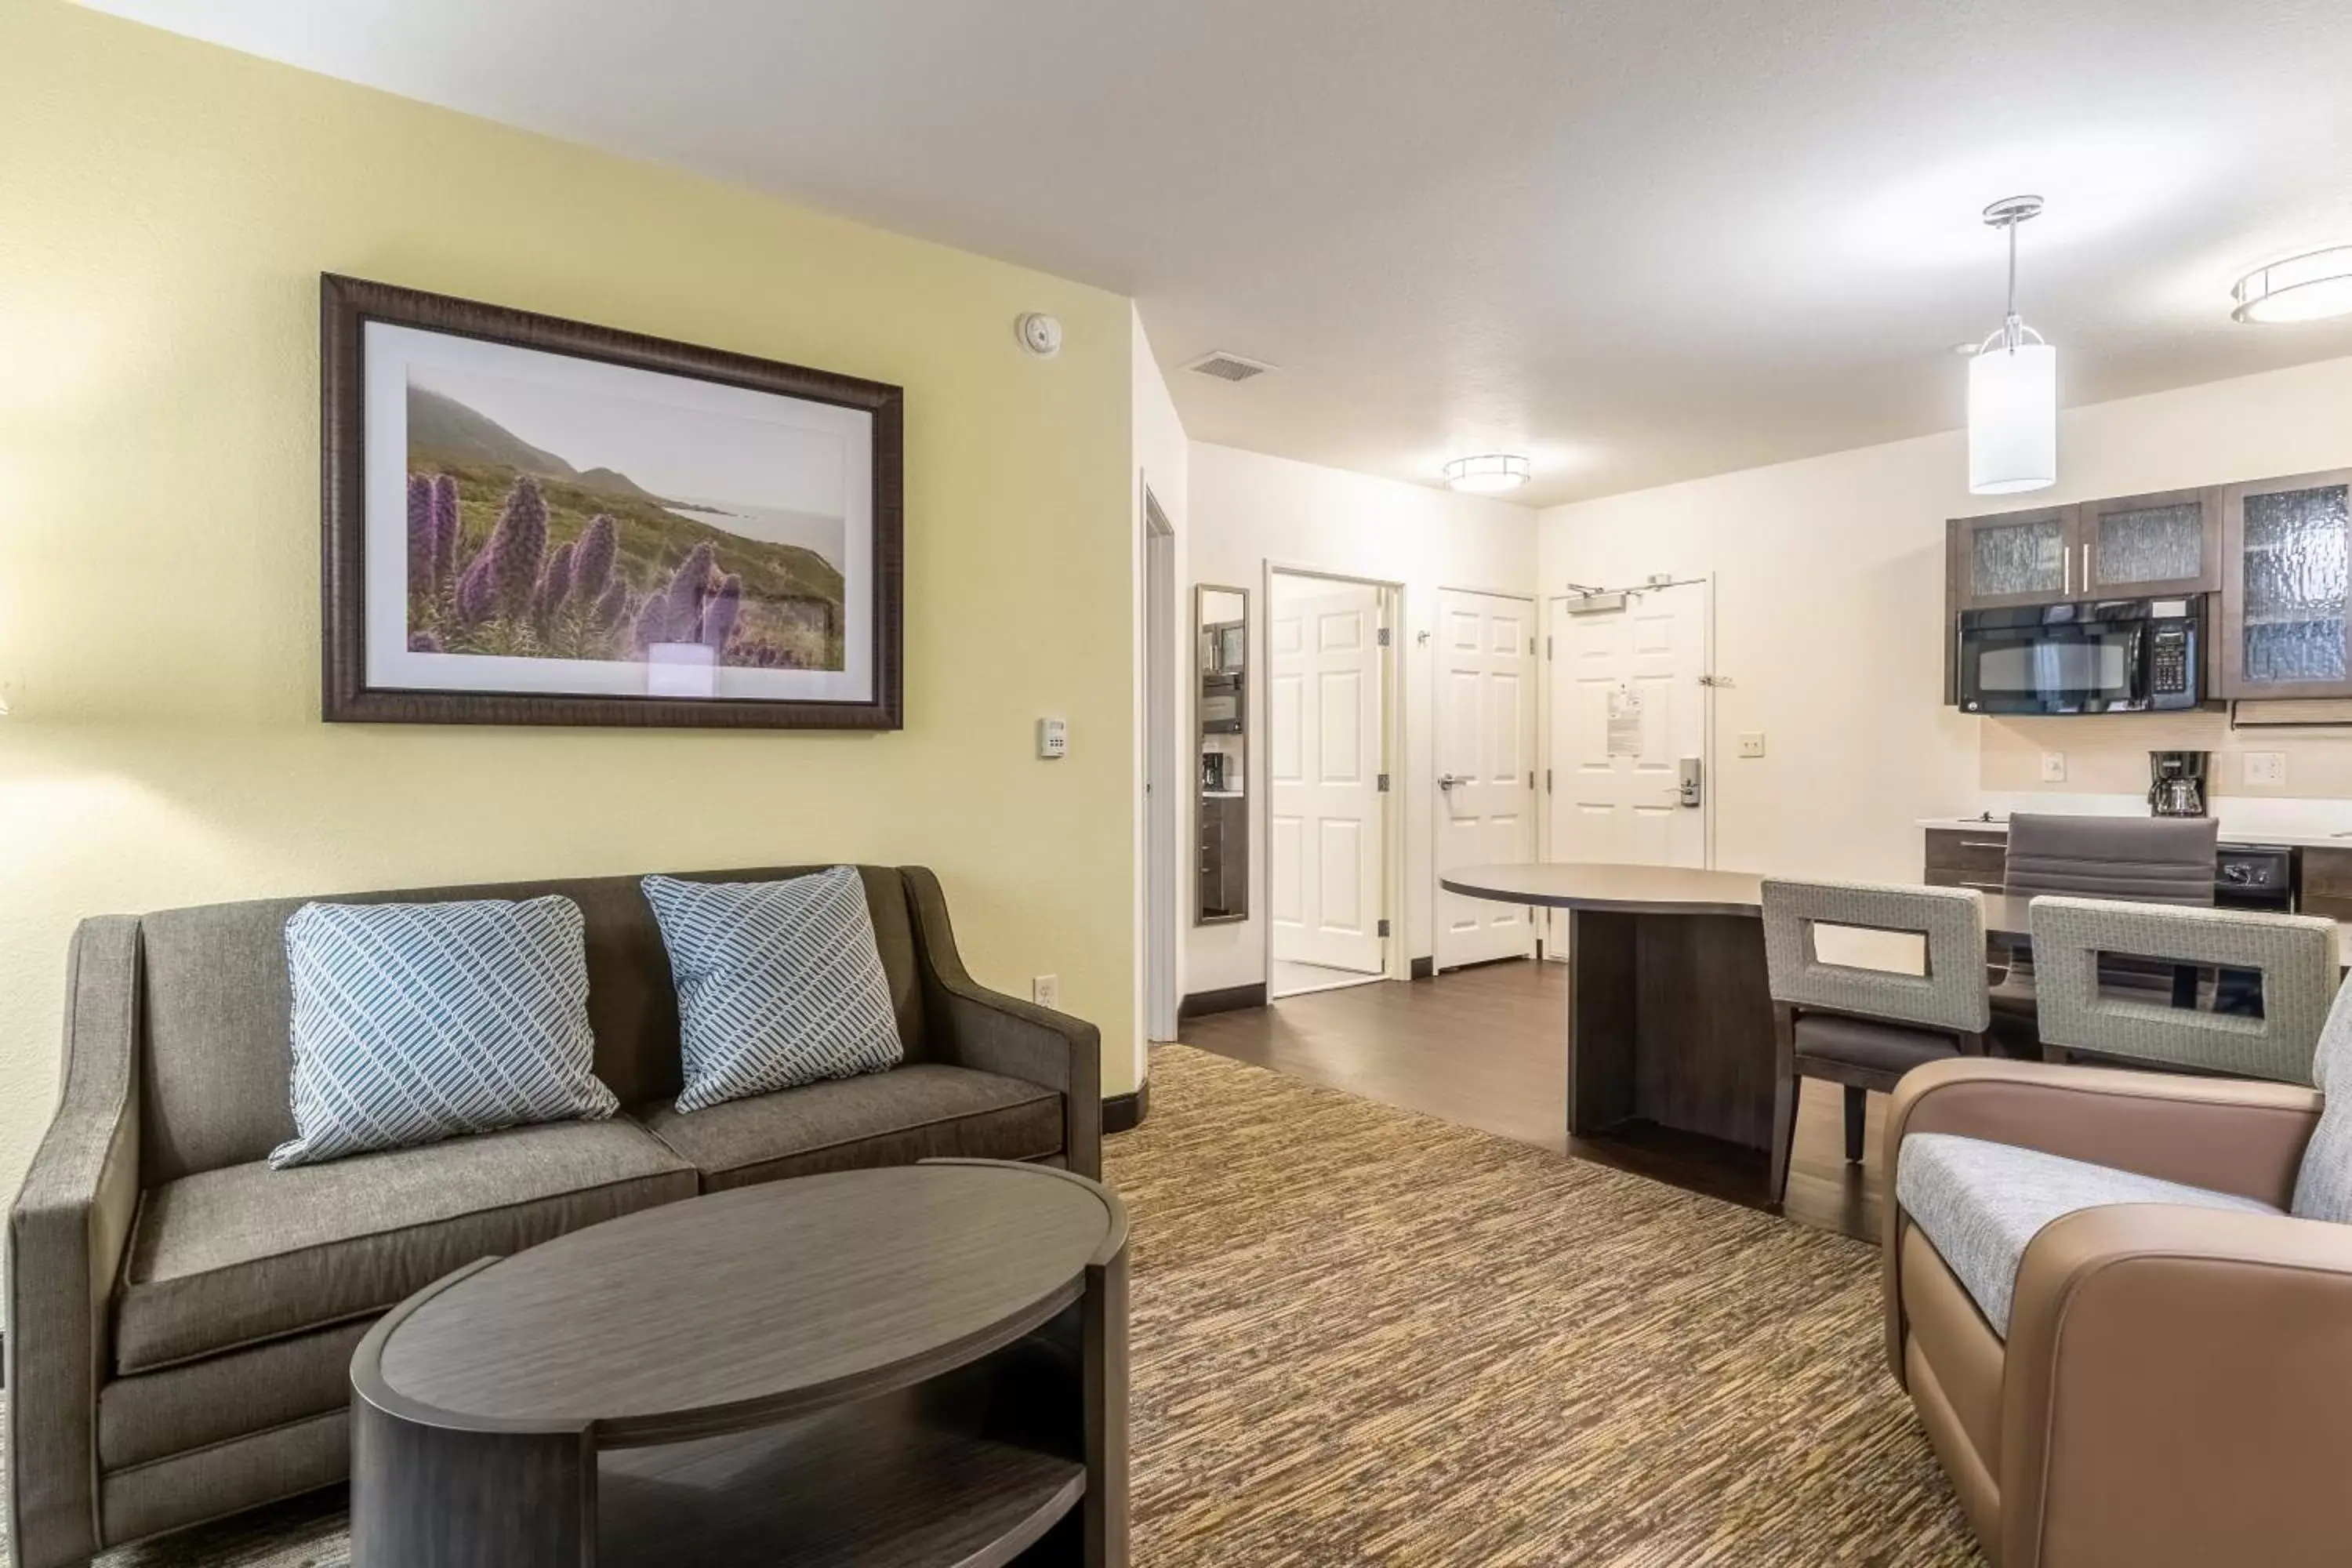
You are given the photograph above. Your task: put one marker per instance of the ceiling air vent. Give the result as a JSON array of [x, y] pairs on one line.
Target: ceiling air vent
[[1229, 367]]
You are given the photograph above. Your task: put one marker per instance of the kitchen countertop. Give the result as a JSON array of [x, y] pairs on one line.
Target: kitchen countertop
[[2311, 836], [1668, 890]]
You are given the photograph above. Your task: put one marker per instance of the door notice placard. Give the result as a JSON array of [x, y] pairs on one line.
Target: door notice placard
[[1624, 722]]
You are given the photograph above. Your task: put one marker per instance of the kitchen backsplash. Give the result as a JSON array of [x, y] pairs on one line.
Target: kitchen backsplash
[[2108, 755]]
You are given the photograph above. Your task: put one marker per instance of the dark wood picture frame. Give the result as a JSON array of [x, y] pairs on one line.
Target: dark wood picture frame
[[345, 307]]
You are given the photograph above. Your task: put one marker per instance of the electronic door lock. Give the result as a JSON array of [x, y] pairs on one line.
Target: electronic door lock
[[1687, 782]]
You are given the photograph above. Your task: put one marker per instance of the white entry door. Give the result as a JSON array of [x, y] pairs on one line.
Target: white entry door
[[1323, 700], [1629, 712], [1486, 767]]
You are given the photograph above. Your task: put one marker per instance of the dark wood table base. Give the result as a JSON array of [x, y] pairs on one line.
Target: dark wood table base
[[1670, 1055]]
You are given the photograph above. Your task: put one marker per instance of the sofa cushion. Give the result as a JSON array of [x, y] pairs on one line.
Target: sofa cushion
[[779, 983], [231, 1256], [175, 1409], [413, 1023], [1981, 1204], [923, 1111]]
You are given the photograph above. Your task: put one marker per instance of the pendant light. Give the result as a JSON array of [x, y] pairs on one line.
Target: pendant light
[[2013, 388]]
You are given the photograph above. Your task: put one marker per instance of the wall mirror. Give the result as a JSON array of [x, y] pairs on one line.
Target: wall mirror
[[1221, 731]]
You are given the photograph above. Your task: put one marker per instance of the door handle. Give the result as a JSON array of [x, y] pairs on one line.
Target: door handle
[[1447, 781]]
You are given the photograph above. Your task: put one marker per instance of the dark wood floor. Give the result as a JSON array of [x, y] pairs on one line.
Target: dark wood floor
[[1486, 1047]]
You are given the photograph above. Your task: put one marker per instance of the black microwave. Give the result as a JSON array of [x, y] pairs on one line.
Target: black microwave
[[2114, 655]]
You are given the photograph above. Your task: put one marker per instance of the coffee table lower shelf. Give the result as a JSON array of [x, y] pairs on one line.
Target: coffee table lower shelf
[[870, 1483]]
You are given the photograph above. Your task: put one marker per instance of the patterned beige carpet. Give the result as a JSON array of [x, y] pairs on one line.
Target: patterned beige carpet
[[1363, 1336]]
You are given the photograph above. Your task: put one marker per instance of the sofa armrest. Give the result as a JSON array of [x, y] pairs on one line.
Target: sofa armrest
[[2226, 1134], [66, 1234], [2178, 1389], [973, 1026]]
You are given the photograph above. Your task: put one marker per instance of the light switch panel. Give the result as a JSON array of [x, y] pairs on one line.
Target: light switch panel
[[1752, 744], [2266, 767]]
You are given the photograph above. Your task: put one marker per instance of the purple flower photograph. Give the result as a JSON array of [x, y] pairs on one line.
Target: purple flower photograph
[[534, 530], [531, 521]]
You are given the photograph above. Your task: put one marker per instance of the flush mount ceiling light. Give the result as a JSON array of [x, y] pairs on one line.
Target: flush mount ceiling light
[[2308, 288], [1490, 473], [2013, 388]]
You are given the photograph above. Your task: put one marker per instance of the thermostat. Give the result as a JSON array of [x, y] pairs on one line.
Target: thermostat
[[1053, 738]]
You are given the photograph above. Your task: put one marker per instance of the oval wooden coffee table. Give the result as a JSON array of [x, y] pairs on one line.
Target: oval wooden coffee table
[[919, 1365]]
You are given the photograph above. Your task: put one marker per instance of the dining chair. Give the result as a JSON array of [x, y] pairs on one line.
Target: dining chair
[[2144, 859], [2291, 960], [1861, 1028]]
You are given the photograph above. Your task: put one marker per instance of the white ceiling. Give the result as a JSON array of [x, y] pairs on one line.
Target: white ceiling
[[1640, 239]]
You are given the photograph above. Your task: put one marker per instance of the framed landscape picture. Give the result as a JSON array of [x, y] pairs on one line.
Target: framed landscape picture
[[531, 521]]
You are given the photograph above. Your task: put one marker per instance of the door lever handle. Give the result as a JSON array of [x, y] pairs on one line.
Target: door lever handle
[[1447, 781]]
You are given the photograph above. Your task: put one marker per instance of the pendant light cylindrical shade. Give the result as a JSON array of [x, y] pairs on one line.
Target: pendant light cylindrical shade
[[2012, 419]]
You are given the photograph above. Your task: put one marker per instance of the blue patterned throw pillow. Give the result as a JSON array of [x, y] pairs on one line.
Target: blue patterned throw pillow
[[413, 1023], [779, 983]]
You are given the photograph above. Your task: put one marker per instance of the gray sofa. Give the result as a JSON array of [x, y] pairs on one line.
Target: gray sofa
[[181, 1317]]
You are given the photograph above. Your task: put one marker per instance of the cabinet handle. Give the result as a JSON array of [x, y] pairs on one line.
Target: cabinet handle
[[2067, 563], [2086, 567], [2001, 843]]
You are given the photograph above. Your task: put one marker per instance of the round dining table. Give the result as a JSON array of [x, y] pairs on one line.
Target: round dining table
[[1670, 1051]]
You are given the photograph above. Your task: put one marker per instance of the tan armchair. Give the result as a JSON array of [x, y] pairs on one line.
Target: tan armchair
[[2175, 1383]]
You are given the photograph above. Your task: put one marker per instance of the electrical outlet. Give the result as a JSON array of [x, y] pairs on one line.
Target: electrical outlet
[[1045, 990], [2054, 767], [1752, 743], [2266, 767]]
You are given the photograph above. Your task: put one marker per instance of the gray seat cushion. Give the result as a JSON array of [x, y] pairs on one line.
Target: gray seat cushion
[[173, 1410], [1981, 1204], [926, 1111], [1864, 1043], [2322, 1187], [228, 1257]]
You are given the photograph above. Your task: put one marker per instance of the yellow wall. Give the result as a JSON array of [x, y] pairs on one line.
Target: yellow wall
[[165, 208]]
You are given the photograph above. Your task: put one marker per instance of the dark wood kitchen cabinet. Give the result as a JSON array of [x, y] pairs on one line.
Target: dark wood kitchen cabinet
[[2285, 545], [2326, 888], [2012, 558], [2130, 547], [1963, 858], [2149, 547]]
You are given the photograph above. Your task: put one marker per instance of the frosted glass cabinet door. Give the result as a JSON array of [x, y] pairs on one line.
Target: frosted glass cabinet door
[[2286, 545], [2015, 558], [2150, 546]]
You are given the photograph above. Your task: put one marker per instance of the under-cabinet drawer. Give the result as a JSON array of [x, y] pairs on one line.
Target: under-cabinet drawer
[[2326, 882], [1963, 858]]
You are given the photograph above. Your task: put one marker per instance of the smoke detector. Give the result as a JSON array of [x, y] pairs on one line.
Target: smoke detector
[[1040, 334], [1229, 367]]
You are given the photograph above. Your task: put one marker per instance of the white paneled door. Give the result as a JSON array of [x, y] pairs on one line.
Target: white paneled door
[[1629, 719], [1485, 695], [1323, 696]]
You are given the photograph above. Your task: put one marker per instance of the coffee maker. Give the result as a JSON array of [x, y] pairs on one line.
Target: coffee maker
[[2177, 783]]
